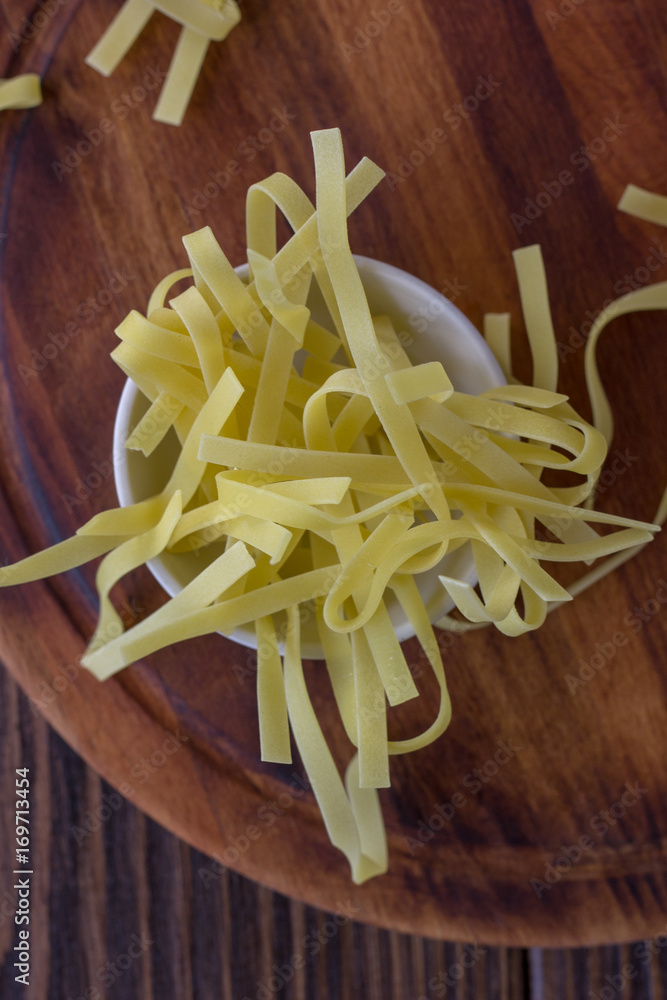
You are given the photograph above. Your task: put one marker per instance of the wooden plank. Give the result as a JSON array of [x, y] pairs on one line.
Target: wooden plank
[[91, 226]]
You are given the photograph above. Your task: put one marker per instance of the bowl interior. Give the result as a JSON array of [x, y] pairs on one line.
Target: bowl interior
[[433, 329]]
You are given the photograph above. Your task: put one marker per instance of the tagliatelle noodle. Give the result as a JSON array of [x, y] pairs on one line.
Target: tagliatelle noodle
[[653, 208], [20, 92], [290, 318], [138, 520], [202, 327], [405, 543], [173, 378], [249, 372], [185, 477], [487, 456], [350, 381], [392, 668], [337, 650], [155, 424], [274, 737], [543, 508], [119, 37], [537, 315], [301, 462], [652, 297], [321, 344], [644, 204], [142, 334], [533, 291], [407, 385], [353, 306], [304, 246], [203, 21], [534, 294], [58, 558], [265, 535], [211, 268], [617, 560], [184, 70], [332, 487], [342, 814], [216, 579], [161, 291], [497, 333], [493, 461], [286, 335], [371, 715], [225, 616], [131, 554], [367, 812], [410, 598], [267, 502]]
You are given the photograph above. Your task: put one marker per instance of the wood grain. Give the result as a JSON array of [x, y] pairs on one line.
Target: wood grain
[[109, 227], [218, 941]]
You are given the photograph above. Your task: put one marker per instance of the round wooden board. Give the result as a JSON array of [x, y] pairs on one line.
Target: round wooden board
[[84, 244]]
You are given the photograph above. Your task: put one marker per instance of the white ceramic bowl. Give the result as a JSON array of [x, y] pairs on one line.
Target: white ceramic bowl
[[437, 330]]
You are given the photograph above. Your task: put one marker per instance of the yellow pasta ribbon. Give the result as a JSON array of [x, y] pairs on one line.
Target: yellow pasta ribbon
[[20, 92], [203, 21]]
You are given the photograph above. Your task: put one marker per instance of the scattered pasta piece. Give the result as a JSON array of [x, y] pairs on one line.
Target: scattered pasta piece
[[203, 21], [321, 473], [20, 92]]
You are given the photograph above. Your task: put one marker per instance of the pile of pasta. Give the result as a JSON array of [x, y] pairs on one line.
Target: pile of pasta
[[333, 480]]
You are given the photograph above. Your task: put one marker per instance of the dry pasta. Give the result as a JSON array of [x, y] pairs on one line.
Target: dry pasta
[[20, 92], [331, 483], [203, 21]]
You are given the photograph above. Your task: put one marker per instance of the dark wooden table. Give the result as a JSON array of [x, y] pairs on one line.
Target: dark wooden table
[[120, 906]]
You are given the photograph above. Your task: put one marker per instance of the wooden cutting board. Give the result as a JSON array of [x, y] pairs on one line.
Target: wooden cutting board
[[484, 115]]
